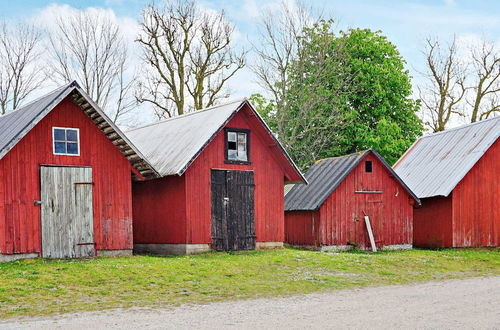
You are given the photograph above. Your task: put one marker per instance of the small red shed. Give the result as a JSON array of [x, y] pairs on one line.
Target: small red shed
[[329, 213], [65, 179], [222, 186], [456, 175]]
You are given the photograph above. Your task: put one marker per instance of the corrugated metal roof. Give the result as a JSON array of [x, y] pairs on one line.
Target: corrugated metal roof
[[173, 144], [324, 177], [436, 163], [16, 124]]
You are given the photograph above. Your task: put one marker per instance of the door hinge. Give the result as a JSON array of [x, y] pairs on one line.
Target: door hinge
[[91, 243], [36, 203]]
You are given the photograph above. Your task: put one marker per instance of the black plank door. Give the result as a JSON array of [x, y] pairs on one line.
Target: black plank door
[[233, 224]]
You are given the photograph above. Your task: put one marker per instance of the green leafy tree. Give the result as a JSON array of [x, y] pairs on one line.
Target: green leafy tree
[[382, 114], [345, 93]]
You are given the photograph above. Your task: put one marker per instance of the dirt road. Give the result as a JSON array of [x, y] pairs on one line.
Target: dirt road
[[464, 304]]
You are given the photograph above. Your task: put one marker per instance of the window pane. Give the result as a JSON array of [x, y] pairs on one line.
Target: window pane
[[242, 137], [59, 134], [231, 155], [72, 135], [231, 145], [60, 147], [242, 147], [231, 136], [72, 148], [242, 155]]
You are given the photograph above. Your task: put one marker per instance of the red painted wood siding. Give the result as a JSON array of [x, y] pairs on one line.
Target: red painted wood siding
[[302, 228], [432, 223], [476, 203], [342, 214], [268, 178], [178, 209], [20, 183], [159, 209]]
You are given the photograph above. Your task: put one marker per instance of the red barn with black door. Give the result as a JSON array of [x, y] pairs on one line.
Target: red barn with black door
[[65, 179], [222, 186], [456, 175], [329, 213]]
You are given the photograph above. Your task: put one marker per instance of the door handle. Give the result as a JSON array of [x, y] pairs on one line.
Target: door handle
[[226, 199]]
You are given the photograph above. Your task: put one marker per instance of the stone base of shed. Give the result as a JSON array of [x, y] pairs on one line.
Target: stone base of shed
[[268, 245], [340, 248], [114, 253], [13, 257], [166, 249]]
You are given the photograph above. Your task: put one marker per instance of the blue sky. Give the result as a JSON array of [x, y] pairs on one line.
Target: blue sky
[[405, 23]]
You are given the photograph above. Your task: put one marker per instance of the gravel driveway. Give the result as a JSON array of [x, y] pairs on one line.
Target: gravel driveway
[[465, 304]]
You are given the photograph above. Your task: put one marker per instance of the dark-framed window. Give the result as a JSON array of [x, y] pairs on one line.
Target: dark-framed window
[[368, 166], [237, 145], [66, 141]]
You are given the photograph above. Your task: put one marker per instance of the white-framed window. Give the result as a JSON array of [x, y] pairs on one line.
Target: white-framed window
[[66, 141]]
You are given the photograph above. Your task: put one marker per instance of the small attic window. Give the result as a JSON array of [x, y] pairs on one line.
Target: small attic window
[[368, 166], [66, 141], [237, 146]]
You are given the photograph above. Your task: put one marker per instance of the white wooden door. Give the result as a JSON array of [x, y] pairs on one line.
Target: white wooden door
[[67, 213]]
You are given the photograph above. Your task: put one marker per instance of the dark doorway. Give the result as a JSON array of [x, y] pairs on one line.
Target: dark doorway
[[233, 224]]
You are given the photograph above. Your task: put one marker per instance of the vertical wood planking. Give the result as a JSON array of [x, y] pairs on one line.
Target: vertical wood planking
[[21, 183]]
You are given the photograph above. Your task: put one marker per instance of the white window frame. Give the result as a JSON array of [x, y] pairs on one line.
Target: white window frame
[[54, 141]]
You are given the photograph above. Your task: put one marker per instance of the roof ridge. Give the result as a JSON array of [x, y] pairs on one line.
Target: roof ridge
[[459, 127], [187, 114], [344, 156], [38, 99]]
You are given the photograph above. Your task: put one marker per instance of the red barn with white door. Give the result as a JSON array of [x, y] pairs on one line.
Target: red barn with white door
[[65, 179], [456, 175], [222, 186], [329, 213]]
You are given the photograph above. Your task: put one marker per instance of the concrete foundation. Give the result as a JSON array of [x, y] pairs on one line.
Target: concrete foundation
[[114, 253], [13, 257], [268, 245], [340, 248], [166, 249]]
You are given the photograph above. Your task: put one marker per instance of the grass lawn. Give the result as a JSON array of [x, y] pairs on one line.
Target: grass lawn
[[43, 287]]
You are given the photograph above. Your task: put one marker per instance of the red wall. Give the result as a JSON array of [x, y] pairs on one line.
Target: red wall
[[476, 203], [302, 228], [159, 220], [155, 201], [20, 183], [342, 217], [432, 223]]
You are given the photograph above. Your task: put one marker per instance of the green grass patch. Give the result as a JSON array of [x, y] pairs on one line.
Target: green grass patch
[[43, 287]]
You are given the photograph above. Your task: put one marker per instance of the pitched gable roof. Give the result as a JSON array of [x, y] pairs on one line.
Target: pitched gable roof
[[16, 124], [172, 145], [436, 163], [325, 176]]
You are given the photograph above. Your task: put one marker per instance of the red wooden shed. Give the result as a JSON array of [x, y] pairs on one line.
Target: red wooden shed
[[456, 175], [65, 179], [329, 213], [222, 187]]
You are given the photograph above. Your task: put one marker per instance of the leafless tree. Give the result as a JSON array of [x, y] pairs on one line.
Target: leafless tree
[[279, 46], [20, 75], [90, 49], [190, 55], [445, 89], [485, 88]]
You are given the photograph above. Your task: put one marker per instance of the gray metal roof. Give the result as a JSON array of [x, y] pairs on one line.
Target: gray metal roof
[[173, 144], [16, 124], [436, 163], [324, 177]]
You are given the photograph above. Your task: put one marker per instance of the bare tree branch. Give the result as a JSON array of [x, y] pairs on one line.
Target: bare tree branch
[[190, 57], [20, 76], [90, 49]]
